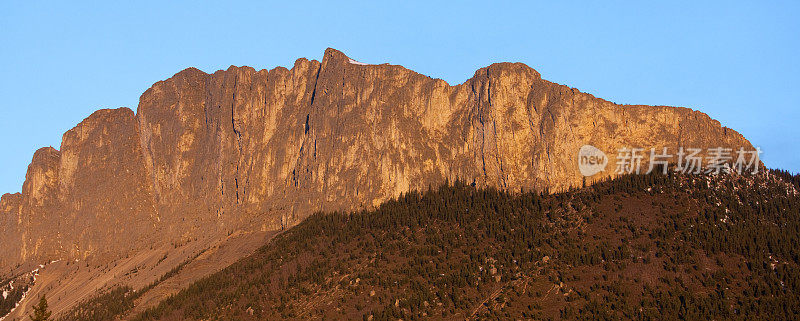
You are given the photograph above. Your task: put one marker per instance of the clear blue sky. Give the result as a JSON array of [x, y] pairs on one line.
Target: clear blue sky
[[737, 62]]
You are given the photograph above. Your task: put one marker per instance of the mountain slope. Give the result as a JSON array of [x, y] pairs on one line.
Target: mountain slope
[[638, 247]]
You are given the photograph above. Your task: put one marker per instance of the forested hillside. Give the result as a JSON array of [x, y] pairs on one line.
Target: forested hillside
[[637, 247]]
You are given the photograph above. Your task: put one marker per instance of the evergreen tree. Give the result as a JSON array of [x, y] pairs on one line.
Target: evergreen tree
[[40, 312]]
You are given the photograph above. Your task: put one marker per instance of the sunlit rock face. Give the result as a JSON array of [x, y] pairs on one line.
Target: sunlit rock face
[[240, 149]]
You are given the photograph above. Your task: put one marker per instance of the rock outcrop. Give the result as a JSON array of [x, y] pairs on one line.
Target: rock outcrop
[[207, 154]]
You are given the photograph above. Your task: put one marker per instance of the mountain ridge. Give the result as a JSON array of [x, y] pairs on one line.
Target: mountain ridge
[[209, 154]]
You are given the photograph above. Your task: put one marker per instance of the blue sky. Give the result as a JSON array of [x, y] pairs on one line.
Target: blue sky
[[736, 61]]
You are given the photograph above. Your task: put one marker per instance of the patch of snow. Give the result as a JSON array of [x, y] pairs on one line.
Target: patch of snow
[[357, 62], [16, 305], [34, 273]]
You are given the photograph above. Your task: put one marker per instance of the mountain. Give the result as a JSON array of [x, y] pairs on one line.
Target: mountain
[[644, 247], [213, 164], [207, 154]]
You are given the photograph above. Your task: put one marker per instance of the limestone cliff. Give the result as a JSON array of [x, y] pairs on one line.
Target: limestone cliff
[[207, 154]]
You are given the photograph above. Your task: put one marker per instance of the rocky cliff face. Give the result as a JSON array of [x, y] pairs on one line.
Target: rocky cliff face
[[207, 154]]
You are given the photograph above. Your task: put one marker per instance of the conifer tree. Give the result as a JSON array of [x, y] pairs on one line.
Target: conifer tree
[[40, 312]]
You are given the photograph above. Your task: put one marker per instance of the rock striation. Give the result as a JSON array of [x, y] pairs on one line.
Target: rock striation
[[240, 149]]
